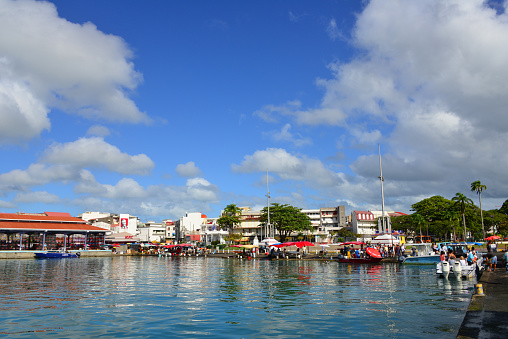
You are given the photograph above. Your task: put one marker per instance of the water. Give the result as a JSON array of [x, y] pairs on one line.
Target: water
[[154, 297]]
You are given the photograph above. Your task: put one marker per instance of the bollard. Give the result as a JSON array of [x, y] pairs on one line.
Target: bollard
[[479, 290]]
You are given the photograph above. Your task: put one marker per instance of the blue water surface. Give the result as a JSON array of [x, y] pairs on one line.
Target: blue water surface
[[151, 297]]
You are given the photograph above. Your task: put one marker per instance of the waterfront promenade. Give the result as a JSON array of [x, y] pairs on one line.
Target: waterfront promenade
[[486, 315]]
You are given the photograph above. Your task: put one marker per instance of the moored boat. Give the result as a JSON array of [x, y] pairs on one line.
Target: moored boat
[[422, 254], [55, 254], [373, 256], [455, 268]]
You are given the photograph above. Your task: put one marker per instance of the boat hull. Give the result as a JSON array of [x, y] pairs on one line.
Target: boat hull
[[55, 255], [422, 260]]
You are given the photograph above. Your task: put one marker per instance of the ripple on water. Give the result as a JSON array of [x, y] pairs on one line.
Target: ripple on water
[[207, 297]]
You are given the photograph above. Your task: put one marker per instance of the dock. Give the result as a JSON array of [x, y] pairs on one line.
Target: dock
[[486, 315]]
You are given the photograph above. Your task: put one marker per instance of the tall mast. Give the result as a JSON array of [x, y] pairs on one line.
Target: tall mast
[[268, 205], [383, 226]]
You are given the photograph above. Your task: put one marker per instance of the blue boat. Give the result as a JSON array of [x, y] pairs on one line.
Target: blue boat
[[421, 254], [55, 255]]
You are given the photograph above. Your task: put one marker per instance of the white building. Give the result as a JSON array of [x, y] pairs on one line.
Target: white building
[[210, 232], [368, 224], [152, 232], [188, 228], [113, 222], [170, 230], [325, 221]]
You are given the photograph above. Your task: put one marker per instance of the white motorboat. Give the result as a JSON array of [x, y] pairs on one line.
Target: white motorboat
[[455, 268], [421, 253]]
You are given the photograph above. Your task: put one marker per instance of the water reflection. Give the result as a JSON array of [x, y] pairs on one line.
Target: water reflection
[[126, 296]]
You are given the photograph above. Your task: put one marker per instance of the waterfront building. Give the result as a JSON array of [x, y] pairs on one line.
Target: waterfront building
[[188, 228], [151, 232], [325, 221], [170, 230], [115, 223], [210, 232], [368, 224], [48, 230]]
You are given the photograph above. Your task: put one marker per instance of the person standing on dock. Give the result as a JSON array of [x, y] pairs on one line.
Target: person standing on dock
[[493, 262]]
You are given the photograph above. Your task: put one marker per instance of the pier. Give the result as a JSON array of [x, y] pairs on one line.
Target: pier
[[486, 315]]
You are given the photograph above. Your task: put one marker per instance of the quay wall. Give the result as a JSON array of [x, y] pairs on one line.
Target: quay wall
[[31, 254]]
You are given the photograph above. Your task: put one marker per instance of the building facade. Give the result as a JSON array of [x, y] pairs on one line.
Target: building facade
[[152, 232]]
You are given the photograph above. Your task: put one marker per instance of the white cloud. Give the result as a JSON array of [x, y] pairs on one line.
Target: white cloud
[[429, 83], [48, 62], [99, 131], [36, 175], [37, 197], [94, 152], [333, 31], [285, 135], [287, 167], [188, 170]]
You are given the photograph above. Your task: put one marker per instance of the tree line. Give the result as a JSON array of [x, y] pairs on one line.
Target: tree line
[[457, 218]]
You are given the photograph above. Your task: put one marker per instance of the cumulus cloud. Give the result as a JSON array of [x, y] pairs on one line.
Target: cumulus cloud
[[36, 175], [429, 84], [94, 152], [98, 131], [188, 170], [287, 167], [285, 135], [37, 197], [90, 76]]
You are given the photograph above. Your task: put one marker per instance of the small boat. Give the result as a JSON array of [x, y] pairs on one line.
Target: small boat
[[55, 254], [373, 257], [423, 254], [455, 268]]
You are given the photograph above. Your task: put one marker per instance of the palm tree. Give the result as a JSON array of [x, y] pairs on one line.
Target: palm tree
[[462, 201], [419, 220], [230, 217], [452, 216], [476, 186]]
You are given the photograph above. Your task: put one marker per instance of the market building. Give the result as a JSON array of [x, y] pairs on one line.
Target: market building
[[48, 230]]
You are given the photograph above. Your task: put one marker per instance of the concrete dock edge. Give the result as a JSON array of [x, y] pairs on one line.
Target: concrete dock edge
[[486, 315]]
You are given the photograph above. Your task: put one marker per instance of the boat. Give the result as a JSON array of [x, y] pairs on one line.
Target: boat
[[422, 254], [55, 254], [458, 270], [373, 257]]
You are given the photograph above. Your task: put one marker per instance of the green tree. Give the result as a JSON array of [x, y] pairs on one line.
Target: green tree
[[403, 223], [453, 217], [344, 233], [419, 220], [230, 217], [286, 219], [433, 208], [476, 186], [504, 208], [461, 201], [497, 221]]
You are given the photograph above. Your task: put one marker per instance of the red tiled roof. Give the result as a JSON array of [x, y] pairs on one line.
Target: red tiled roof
[[58, 214], [48, 226], [42, 218]]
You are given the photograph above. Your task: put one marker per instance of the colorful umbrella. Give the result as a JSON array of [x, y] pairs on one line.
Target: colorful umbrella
[[493, 237], [300, 244]]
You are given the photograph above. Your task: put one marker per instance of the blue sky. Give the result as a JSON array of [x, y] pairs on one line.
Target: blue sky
[[158, 108]]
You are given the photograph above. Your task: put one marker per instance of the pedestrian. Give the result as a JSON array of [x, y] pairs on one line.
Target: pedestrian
[[493, 262], [505, 259]]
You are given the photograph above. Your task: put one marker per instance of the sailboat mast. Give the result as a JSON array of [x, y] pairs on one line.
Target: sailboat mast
[[268, 228], [383, 226]]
